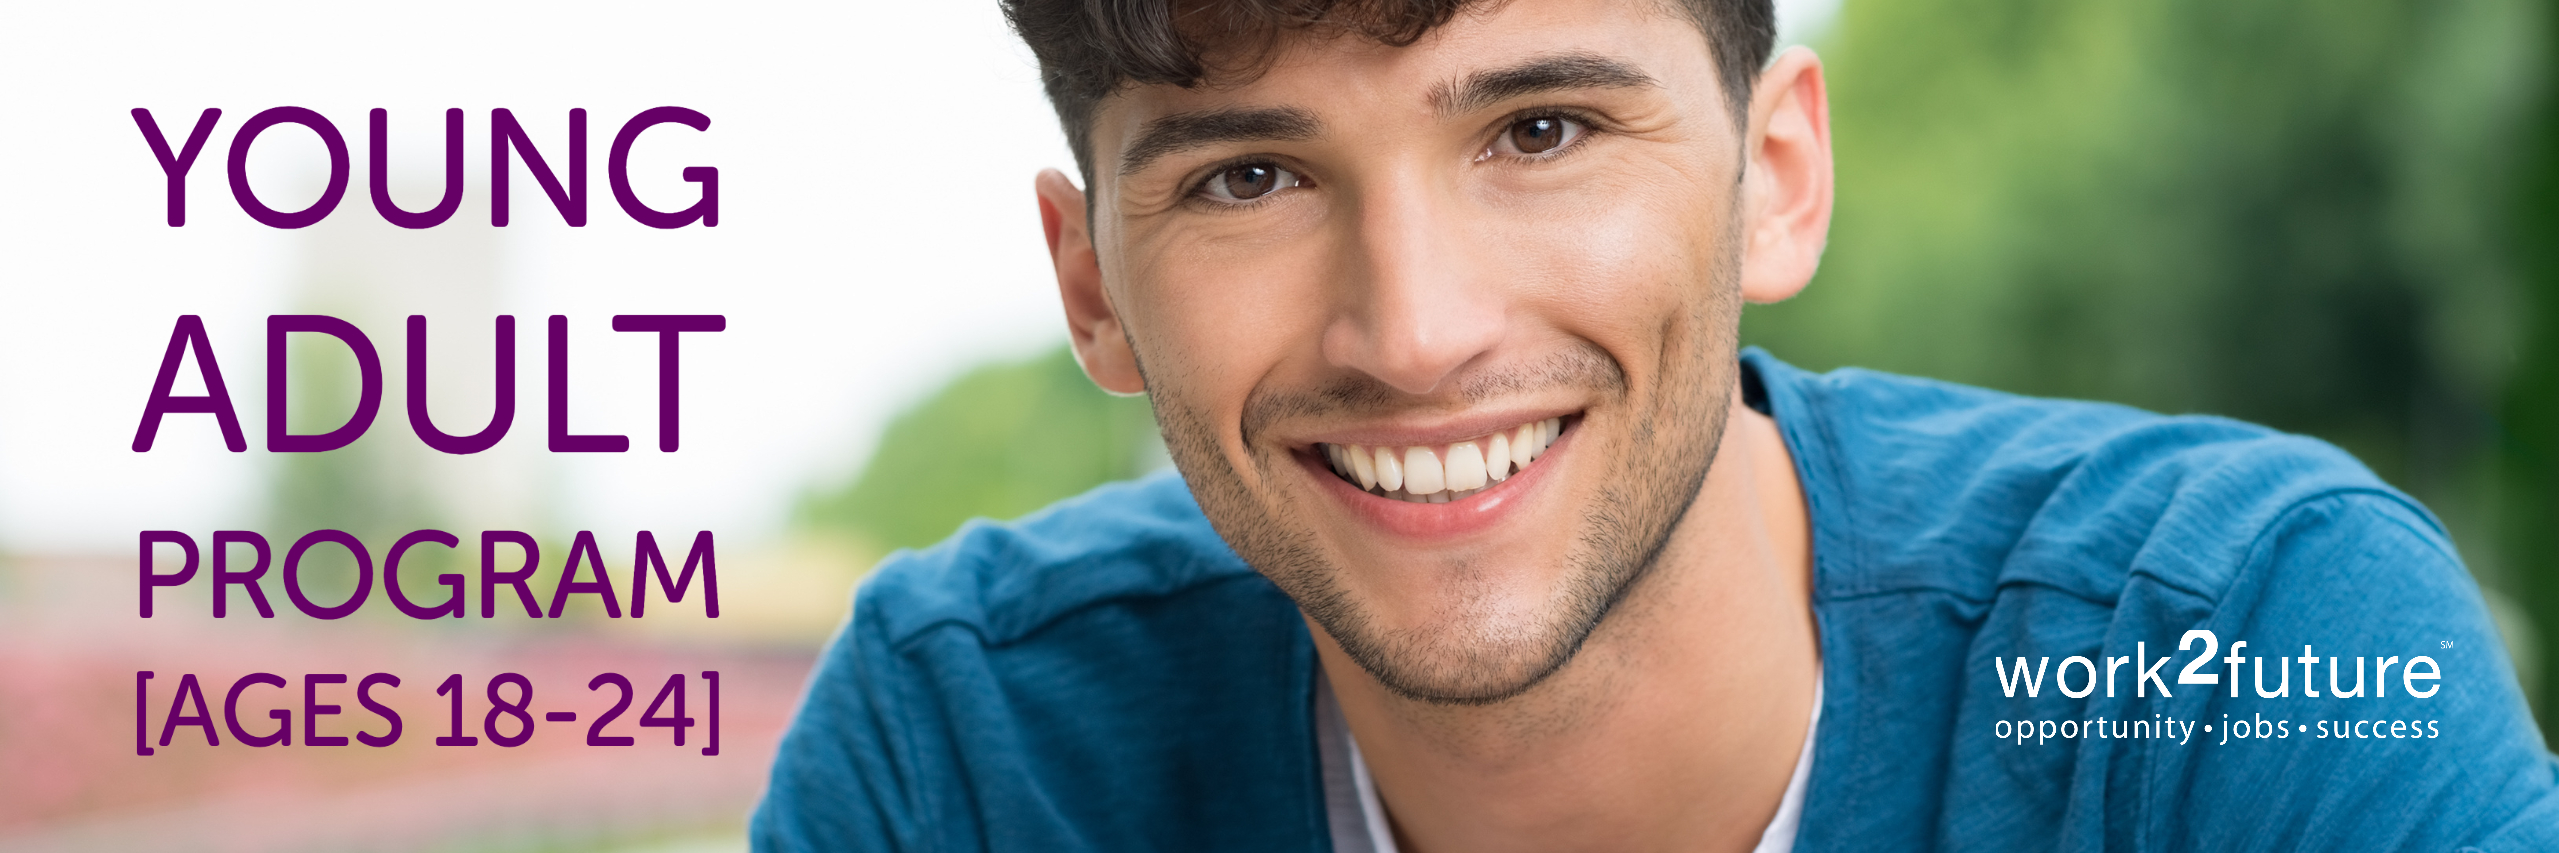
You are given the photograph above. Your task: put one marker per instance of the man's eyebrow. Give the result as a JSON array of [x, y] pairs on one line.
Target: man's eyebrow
[[1184, 131], [1550, 73]]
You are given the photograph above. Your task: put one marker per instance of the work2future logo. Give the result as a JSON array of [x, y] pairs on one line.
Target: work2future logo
[[2079, 677], [506, 137], [2147, 672]]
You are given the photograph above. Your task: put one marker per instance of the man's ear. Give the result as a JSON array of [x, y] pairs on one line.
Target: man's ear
[[1091, 323], [1786, 190]]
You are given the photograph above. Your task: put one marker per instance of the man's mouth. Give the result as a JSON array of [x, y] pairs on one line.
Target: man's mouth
[[1437, 474]]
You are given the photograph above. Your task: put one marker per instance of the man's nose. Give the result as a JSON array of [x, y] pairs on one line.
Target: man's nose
[[1419, 302]]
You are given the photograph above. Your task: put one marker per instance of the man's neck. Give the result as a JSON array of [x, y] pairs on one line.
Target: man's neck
[[1677, 725]]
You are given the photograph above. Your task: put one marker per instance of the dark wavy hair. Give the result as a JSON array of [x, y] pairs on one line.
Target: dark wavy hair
[[1088, 49]]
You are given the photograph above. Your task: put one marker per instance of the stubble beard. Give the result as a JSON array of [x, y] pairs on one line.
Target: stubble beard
[[1477, 649]]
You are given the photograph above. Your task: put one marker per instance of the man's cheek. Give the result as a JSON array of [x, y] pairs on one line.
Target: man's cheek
[[1617, 263]]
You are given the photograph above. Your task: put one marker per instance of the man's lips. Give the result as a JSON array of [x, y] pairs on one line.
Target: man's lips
[[1450, 506]]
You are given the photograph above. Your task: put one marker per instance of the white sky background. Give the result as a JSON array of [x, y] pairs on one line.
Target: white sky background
[[1804, 21], [877, 236]]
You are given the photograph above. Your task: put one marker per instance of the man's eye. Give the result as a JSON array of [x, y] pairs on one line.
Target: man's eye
[[1537, 135], [1247, 182]]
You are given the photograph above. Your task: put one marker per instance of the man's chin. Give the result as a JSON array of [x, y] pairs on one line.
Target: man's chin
[[1461, 664]]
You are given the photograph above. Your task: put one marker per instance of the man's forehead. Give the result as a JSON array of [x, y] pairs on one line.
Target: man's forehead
[[1481, 57]]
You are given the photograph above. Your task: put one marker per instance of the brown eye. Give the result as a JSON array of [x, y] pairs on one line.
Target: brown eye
[[1247, 182], [1539, 135]]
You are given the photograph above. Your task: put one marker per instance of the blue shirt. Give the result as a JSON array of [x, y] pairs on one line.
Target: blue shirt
[[1106, 675]]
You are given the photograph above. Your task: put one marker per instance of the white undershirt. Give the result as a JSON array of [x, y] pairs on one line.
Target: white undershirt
[[1365, 830]]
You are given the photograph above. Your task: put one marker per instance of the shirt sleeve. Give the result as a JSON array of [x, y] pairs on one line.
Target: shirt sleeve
[[836, 783]]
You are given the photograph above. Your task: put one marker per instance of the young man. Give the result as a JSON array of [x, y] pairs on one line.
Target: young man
[[1487, 538]]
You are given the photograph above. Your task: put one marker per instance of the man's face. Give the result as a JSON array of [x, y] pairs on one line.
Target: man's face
[[1368, 285]]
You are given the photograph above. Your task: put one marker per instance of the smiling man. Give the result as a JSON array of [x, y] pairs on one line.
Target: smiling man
[[1488, 537]]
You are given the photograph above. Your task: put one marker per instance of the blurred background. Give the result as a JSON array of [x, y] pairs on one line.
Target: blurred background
[[2332, 217]]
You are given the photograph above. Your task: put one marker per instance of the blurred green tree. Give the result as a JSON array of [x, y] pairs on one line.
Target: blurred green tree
[[2294, 212], [2530, 438], [998, 442]]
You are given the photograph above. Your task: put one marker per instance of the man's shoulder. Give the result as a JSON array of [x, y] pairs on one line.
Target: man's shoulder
[[986, 682], [1931, 484], [1963, 535], [1004, 581]]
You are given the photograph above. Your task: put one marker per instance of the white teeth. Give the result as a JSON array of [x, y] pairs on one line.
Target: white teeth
[[1465, 466], [1456, 471], [1390, 471], [1422, 472]]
